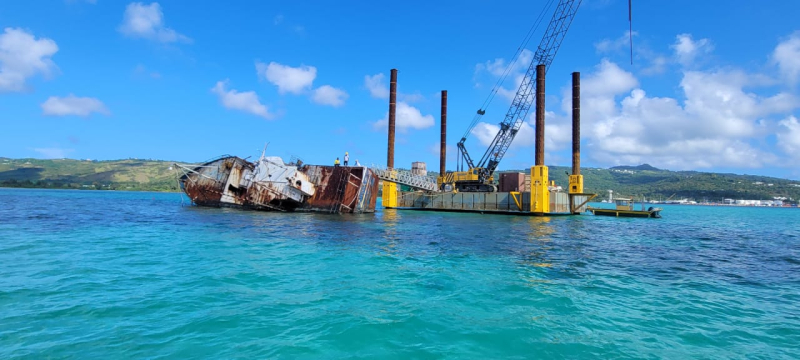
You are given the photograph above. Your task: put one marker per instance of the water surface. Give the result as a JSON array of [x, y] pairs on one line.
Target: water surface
[[92, 274]]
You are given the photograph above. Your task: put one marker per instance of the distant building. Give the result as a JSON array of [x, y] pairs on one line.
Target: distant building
[[419, 168], [759, 202]]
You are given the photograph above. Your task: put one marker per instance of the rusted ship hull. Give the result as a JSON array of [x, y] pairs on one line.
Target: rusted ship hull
[[270, 185]]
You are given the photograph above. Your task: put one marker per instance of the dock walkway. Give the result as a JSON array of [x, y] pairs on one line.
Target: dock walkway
[[405, 177]]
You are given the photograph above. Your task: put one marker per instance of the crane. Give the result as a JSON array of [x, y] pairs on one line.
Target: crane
[[478, 177]]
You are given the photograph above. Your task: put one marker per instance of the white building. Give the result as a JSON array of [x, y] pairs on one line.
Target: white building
[[419, 168]]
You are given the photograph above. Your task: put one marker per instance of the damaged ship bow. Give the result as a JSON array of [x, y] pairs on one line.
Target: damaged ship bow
[[270, 184]]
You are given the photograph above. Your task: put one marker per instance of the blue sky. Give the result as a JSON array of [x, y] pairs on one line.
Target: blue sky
[[711, 88]]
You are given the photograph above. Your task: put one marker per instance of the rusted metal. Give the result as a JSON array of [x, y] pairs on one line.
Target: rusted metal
[[540, 69], [343, 189], [512, 182], [392, 109], [443, 141], [271, 185], [576, 123]]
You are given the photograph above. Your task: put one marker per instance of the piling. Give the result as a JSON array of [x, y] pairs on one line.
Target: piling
[[576, 179], [392, 109], [576, 123], [389, 198], [540, 69], [443, 141]]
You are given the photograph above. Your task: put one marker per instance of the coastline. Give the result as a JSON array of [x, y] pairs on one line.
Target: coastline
[[92, 189]]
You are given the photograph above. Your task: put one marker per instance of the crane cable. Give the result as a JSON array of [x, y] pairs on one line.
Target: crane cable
[[630, 28], [507, 71]]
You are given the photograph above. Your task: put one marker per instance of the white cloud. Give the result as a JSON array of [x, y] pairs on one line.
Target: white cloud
[[558, 131], [718, 100], [721, 117], [651, 62], [377, 86], [147, 21], [141, 71], [53, 153], [289, 79], [598, 93], [658, 64], [789, 136], [711, 126], [609, 45], [23, 56], [406, 117], [608, 79], [412, 98], [245, 101], [329, 95], [498, 68], [379, 89], [787, 56], [686, 49], [73, 105], [485, 133]]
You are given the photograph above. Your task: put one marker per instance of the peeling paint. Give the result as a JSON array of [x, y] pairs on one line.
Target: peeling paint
[[270, 184]]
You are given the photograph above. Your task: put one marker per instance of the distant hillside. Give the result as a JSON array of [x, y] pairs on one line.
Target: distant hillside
[[130, 174], [152, 175], [655, 183], [639, 167]]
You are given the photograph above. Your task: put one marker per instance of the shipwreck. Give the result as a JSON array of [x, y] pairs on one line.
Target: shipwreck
[[270, 184]]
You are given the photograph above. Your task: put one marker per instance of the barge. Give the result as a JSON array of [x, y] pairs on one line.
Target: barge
[[270, 184], [508, 203], [624, 208]]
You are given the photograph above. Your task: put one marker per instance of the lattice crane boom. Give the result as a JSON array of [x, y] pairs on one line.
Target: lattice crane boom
[[525, 96]]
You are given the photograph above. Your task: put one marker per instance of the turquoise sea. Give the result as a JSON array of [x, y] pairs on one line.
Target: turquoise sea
[[117, 275]]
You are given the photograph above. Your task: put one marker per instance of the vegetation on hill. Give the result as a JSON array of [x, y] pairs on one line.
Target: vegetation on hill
[[642, 180], [130, 174], [658, 184]]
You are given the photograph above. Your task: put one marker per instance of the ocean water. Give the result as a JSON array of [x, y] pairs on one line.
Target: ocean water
[[116, 275]]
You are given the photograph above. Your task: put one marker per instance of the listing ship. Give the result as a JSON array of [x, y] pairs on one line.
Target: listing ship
[[270, 184]]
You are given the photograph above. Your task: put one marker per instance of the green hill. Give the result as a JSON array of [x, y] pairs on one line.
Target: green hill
[[642, 180], [653, 183], [130, 174]]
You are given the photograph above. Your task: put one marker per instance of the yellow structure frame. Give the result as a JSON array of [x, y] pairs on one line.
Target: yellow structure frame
[[517, 199], [389, 198], [576, 184], [540, 194], [453, 177]]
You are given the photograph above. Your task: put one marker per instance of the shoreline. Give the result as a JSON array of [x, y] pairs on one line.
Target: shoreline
[[714, 204], [181, 192], [88, 189]]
